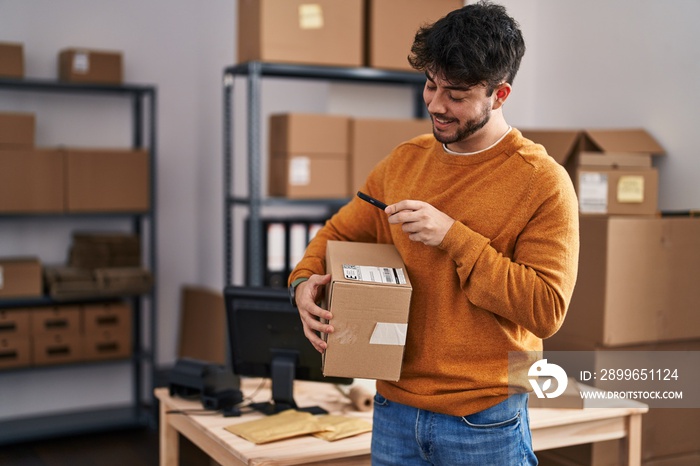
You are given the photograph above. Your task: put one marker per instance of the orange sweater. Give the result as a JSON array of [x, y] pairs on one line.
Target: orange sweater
[[500, 281]]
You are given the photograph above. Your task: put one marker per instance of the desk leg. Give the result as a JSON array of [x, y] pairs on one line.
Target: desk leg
[[634, 440], [169, 446]]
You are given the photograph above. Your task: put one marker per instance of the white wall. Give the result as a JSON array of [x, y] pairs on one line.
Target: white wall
[[594, 63]]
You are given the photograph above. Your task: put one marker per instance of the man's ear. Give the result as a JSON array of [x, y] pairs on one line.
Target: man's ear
[[501, 93]]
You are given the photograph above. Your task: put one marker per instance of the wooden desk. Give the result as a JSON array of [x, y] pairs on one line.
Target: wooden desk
[[551, 428]]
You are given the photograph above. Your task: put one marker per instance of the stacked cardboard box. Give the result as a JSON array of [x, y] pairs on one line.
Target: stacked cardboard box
[[20, 277], [89, 66], [308, 156], [372, 139], [323, 32], [64, 334], [43, 180], [329, 156], [392, 25], [15, 347], [636, 287], [611, 169], [11, 60], [373, 33]]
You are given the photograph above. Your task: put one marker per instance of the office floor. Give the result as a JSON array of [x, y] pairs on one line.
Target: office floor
[[136, 447]]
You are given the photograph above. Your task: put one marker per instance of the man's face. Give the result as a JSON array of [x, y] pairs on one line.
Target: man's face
[[457, 112]]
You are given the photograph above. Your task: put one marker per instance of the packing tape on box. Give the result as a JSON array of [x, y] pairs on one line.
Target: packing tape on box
[[386, 333]]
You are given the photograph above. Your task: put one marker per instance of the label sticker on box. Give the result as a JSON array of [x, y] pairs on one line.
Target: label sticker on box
[[630, 189], [310, 16], [300, 171], [386, 333], [364, 273], [2, 279], [81, 62], [593, 192]]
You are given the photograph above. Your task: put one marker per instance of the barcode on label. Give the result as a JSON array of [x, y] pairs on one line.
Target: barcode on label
[[363, 273]]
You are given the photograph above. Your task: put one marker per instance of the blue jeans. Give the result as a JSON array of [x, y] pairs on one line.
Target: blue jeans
[[407, 436]]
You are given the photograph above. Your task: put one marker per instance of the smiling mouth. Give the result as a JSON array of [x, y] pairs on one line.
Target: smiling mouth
[[441, 122]]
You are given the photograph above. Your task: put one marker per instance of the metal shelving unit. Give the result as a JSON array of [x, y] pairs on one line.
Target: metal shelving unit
[[254, 72], [141, 410]]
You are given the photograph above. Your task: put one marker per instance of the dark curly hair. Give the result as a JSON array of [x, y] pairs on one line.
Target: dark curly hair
[[478, 43]]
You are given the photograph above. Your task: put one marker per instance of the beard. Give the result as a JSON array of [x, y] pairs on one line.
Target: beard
[[467, 129]]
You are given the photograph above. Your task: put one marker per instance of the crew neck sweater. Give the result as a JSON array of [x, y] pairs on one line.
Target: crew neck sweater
[[500, 281]]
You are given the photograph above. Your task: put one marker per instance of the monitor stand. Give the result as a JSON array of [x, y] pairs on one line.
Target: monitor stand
[[283, 370]]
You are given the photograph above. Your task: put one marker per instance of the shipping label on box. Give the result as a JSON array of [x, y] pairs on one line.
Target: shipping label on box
[[369, 296], [617, 191], [90, 66], [322, 32]]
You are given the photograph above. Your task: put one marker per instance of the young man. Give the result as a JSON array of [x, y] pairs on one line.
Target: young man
[[487, 225]]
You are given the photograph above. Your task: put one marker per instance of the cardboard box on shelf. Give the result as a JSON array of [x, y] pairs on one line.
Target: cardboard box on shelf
[[636, 281], [14, 322], [63, 319], [11, 60], [89, 66], [369, 295], [56, 347], [323, 32], [611, 168], [107, 331], [17, 130], [104, 249], [20, 277], [107, 180], [371, 139], [31, 181], [308, 156], [15, 351], [392, 26]]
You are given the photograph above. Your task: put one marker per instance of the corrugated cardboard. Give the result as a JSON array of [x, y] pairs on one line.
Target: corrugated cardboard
[[637, 281], [11, 60], [17, 130], [56, 348], [62, 319], [107, 180], [370, 319], [665, 431], [20, 277], [371, 139], [322, 32], [107, 330], [14, 322], [202, 325], [617, 191], [392, 26], [308, 155], [81, 65], [32, 181], [611, 168], [15, 351]]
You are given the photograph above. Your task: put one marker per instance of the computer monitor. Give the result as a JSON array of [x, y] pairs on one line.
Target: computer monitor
[[266, 339]]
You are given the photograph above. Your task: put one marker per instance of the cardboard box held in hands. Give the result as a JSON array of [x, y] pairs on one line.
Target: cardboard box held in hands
[[369, 295]]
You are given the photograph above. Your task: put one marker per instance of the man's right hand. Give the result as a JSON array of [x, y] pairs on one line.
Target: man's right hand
[[307, 294]]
